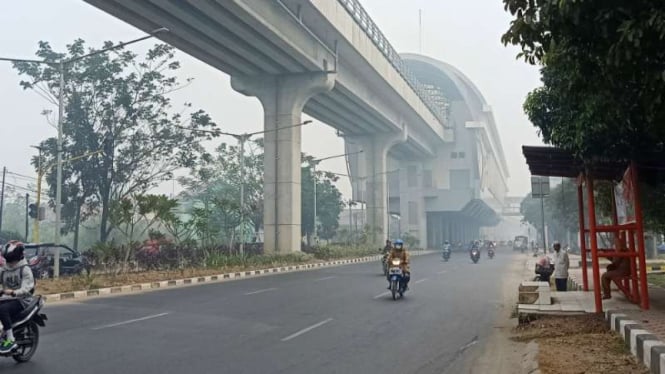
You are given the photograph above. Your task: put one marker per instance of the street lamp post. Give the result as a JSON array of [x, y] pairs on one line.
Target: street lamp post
[[242, 139], [314, 163], [61, 92]]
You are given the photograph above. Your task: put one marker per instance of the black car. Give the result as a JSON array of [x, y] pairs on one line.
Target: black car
[[40, 258]]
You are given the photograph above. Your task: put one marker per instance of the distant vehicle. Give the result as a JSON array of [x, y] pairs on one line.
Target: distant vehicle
[[40, 259], [521, 243], [661, 248]]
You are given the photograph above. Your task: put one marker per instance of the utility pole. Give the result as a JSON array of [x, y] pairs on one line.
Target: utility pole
[[2, 197], [27, 202], [540, 187], [420, 30]]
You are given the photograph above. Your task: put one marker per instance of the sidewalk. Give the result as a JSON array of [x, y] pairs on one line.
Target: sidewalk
[[642, 330]]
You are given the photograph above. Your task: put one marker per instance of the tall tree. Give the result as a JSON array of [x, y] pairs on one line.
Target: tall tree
[[214, 184], [603, 81], [119, 104], [329, 202]]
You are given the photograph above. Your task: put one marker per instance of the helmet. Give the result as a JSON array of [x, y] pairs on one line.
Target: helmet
[[399, 243], [13, 251], [556, 243]]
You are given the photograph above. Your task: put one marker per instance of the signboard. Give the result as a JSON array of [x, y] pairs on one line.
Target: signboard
[[540, 187]]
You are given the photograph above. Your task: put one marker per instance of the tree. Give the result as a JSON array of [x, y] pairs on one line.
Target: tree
[[13, 214], [560, 208], [213, 190], [603, 80], [215, 185], [135, 215], [118, 104], [329, 202]]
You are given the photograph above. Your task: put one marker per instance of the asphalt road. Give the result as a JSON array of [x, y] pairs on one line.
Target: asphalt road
[[335, 320]]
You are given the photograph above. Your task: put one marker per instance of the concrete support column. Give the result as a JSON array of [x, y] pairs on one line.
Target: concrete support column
[[375, 150], [283, 98]]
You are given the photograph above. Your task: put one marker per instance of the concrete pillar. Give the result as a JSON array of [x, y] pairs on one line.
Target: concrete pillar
[[283, 98], [375, 150]]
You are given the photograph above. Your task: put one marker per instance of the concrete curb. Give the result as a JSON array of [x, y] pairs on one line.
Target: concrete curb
[[642, 344], [208, 279]]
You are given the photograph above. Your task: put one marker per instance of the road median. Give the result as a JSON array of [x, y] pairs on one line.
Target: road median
[[86, 286]]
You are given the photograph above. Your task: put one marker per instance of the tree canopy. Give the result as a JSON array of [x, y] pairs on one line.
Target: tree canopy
[[603, 73], [118, 109], [213, 193], [561, 213]]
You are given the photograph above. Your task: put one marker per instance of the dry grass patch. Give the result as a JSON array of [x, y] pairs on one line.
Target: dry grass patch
[[578, 345]]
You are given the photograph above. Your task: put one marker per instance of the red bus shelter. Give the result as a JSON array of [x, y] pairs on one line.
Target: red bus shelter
[[627, 228]]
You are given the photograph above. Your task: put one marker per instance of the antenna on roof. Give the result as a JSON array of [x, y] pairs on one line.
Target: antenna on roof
[[420, 30]]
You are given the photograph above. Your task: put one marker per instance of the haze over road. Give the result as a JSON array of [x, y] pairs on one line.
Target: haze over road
[[334, 320]]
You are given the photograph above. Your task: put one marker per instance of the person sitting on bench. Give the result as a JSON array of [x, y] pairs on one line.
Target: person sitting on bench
[[618, 269]]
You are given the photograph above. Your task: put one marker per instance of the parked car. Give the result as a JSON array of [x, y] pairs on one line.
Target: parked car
[[40, 258]]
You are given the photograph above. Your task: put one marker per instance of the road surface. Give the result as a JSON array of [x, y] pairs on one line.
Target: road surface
[[334, 320]]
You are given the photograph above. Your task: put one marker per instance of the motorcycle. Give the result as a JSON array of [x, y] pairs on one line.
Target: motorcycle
[[544, 270], [475, 255], [396, 286], [26, 331], [490, 253], [446, 253]]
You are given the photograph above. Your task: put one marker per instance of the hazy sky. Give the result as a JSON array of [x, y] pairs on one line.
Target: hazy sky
[[465, 34]]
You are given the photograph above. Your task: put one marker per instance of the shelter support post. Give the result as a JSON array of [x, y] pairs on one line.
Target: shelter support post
[[639, 221], [583, 248], [594, 245]]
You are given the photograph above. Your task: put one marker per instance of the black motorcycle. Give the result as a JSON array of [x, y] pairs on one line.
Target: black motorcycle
[[475, 255], [26, 330]]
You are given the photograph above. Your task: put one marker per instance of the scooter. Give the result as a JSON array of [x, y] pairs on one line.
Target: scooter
[[475, 255], [446, 252], [26, 331], [490, 253], [396, 276], [544, 270]]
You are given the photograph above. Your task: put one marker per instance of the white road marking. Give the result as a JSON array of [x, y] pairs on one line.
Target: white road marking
[[469, 345], [260, 291], [442, 272], [420, 281], [130, 321], [305, 330], [322, 279], [381, 295]]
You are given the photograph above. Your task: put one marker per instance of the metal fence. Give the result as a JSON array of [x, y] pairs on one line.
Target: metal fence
[[380, 41]]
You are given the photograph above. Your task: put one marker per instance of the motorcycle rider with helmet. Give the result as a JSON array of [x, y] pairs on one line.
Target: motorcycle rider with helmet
[[17, 286], [399, 252]]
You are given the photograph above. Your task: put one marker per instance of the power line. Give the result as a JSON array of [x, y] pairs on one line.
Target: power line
[[22, 175], [20, 187]]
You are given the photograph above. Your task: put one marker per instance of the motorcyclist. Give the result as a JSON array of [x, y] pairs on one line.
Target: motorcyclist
[[386, 252], [399, 252], [446, 247], [388, 247], [17, 286]]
